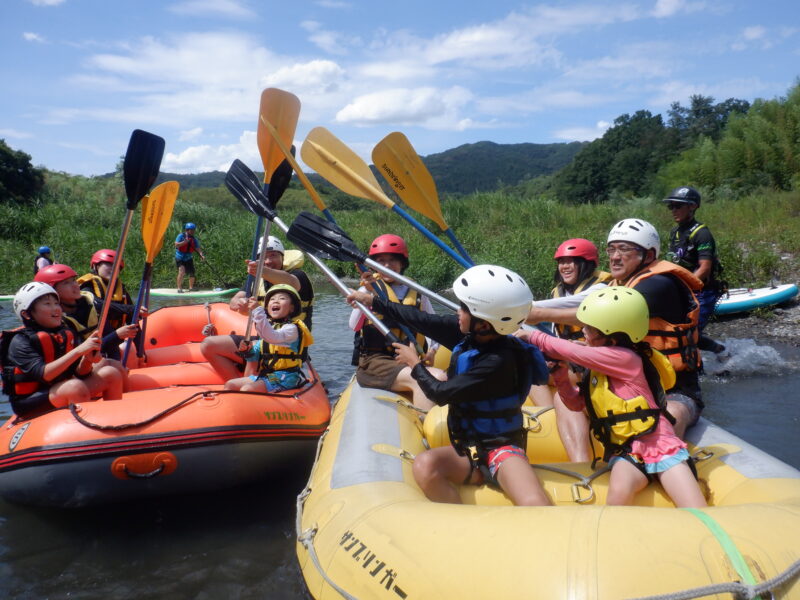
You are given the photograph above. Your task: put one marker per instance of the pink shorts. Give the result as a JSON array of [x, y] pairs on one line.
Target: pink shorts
[[496, 457]]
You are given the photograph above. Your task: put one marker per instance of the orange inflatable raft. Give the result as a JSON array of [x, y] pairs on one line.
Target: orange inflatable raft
[[176, 431]]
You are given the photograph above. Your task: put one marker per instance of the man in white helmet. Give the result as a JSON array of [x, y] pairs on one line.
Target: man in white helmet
[[222, 351], [489, 376], [633, 247]]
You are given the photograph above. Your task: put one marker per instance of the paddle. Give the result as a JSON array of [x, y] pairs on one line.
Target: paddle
[[243, 184], [319, 238], [400, 165], [283, 109], [139, 171], [289, 156], [156, 214], [333, 160]]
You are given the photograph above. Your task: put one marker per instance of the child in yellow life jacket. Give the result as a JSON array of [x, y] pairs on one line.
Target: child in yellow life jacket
[[623, 393], [45, 363], [97, 280], [274, 363], [375, 358]]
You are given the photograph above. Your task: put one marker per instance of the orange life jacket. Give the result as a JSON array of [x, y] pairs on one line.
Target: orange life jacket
[[678, 341], [16, 383]]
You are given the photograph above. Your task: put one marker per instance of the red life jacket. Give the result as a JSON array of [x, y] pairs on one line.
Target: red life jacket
[[51, 345]]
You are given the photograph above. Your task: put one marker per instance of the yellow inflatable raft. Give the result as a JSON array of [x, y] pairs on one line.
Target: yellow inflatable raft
[[365, 530]]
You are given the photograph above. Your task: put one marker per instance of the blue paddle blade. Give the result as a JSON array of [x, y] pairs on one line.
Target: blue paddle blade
[[245, 186], [142, 162]]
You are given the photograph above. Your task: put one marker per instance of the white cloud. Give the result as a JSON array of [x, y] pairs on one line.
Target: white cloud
[[46, 2], [190, 134], [33, 37], [333, 4], [755, 32], [15, 133], [437, 108], [331, 42], [321, 75], [226, 8], [581, 134], [198, 159]]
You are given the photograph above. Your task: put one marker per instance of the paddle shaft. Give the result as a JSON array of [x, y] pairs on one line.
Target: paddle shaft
[[146, 274], [258, 277], [112, 282]]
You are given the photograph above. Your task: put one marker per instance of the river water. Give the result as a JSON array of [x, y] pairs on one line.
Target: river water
[[239, 544]]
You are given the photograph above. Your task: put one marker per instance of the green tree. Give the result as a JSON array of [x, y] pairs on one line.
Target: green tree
[[20, 182]]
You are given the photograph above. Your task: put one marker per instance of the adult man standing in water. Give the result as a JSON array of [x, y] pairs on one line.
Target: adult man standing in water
[[692, 246]]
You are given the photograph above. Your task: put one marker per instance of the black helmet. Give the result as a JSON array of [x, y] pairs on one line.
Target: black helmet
[[684, 194]]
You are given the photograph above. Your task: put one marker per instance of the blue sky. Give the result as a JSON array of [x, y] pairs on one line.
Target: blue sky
[[79, 75]]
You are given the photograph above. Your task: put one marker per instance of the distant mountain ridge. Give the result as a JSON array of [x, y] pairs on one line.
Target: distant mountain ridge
[[482, 166]]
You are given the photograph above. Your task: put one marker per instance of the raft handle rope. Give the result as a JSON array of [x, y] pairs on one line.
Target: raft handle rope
[[585, 482], [535, 425], [306, 538], [74, 408], [739, 590], [400, 401]]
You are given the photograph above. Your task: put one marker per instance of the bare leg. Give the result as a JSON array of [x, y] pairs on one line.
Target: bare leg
[[67, 392], [191, 282], [626, 481], [681, 415], [438, 471], [519, 481], [220, 352], [105, 380], [681, 487], [404, 382], [254, 386], [237, 383], [181, 273], [541, 395], [573, 428]]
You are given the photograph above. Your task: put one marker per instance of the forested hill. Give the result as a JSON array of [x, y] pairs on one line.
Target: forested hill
[[482, 166], [485, 166]]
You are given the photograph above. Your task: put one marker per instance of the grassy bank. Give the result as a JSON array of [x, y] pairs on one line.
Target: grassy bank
[[757, 235]]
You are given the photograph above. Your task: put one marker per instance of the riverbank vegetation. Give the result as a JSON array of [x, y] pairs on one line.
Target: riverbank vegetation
[[745, 159]]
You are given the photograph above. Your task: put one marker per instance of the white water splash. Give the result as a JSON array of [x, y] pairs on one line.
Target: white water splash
[[744, 358]]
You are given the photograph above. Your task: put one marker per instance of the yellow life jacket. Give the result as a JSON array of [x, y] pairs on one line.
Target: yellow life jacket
[[574, 332], [372, 340], [677, 340], [285, 358], [85, 319], [100, 288], [616, 421]]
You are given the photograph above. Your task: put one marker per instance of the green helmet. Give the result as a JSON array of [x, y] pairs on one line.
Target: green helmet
[[293, 294], [616, 309]]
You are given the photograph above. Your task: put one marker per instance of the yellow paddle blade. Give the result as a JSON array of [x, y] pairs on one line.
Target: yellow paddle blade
[[398, 162], [287, 154], [282, 109], [156, 214], [332, 159]]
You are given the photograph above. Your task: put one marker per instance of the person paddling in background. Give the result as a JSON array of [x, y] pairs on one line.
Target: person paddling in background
[[692, 246], [374, 357], [576, 276], [46, 365], [82, 311], [185, 244], [489, 376], [96, 281], [274, 363], [623, 393], [222, 351], [42, 259]]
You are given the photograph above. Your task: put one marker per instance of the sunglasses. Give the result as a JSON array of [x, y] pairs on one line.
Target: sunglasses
[[676, 205]]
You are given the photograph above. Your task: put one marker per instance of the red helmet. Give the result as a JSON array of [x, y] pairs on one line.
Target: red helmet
[[53, 274], [577, 247], [105, 255], [390, 244]]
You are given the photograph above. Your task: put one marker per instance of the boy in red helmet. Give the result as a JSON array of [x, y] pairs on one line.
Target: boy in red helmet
[[373, 355]]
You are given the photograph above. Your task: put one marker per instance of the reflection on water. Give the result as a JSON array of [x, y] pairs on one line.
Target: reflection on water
[[240, 543]]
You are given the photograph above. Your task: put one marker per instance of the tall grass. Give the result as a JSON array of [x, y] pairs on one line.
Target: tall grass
[[757, 235]]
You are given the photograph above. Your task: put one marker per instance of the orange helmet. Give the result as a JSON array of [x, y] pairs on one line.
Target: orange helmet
[[53, 274]]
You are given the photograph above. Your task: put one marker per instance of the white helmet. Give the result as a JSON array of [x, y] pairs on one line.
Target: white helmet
[[273, 245], [637, 231], [496, 295], [29, 293]]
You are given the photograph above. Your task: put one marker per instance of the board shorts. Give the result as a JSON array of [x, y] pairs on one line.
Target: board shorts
[[188, 266], [496, 456], [650, 470], [279, 381], [377, 371]]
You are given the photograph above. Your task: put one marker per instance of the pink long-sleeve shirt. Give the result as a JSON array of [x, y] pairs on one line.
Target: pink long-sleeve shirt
[[626, 379]]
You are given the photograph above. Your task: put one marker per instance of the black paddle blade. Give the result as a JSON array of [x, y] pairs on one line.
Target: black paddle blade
[[244, 184], [142, 162], [323, 239], [279, 181]]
